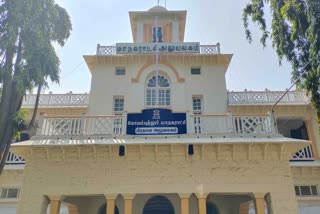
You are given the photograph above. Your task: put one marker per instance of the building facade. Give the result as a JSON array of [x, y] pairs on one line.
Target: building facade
[[160, 133]]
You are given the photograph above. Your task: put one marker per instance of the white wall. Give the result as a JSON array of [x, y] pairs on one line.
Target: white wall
[[210, 84]]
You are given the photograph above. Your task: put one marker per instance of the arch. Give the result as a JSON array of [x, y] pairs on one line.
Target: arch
[[103, 209], [158, 205], [162, 95], [212, 208], [148, 64]]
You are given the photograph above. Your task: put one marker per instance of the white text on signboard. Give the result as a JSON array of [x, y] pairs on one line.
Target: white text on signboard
[[136, 48]]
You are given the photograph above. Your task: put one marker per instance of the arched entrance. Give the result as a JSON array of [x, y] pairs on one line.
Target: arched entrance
[[103, 209], [212, 208], [158, 205]]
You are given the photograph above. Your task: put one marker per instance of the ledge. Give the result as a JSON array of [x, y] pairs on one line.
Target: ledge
[[184, 139]]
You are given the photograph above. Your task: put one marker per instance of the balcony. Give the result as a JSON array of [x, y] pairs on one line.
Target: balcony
[[235, 98], [267, 98], [57, 100], [115, 126], [203, 50]]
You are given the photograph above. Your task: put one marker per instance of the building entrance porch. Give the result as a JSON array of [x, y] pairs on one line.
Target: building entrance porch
[[161, 177], [171, 203]]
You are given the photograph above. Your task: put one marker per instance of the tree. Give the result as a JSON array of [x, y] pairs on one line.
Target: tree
[[28, 29], [295, 35]]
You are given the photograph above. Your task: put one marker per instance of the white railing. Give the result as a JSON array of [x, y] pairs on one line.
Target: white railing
[[204, 49], [13, 159], [56, 100], [215, 124], [115, 125], [267, 97], [304, 154], [235, 98], [72, 126]]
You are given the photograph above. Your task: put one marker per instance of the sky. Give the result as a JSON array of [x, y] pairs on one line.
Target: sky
[[106, 22]]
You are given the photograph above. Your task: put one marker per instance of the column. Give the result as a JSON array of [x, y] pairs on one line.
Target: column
[[244, 208], [259, 203], [110, 203], [184, 197], [202, 203], [73, 209], [55, 202], [128, 203], [314, 145]]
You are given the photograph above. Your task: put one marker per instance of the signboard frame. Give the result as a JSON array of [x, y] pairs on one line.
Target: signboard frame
[[156, 121], [145, 48]]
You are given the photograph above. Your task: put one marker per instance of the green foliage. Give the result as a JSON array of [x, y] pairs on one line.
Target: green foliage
[[20, 123], [295, 35], [30, 27]]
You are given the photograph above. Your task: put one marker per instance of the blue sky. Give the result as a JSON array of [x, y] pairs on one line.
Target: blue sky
[[208, 22]]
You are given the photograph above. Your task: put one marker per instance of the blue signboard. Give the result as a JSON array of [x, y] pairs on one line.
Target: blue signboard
[[156, 122]]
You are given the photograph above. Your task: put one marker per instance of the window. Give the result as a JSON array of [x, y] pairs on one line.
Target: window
[[120, 71], [197, 104], [9, 193], [118, 108], [306, 190], [118, 105], [157, 34], [197, 109], [162, 92], [195, 71]]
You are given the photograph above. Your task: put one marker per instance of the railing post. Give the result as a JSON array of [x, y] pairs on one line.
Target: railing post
[[124, 123], [98, 49], [41, 122], [218, 48], [272, 126], [49, 97], [230, 122], [82, 124], [190, 123]]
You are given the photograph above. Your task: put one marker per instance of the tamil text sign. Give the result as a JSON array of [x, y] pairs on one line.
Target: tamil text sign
[[137, 48], [156, 122]]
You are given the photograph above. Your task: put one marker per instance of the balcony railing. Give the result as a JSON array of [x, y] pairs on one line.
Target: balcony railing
[[235, 98], [57, 100], [204, 49], [267, 97], [116, 125]]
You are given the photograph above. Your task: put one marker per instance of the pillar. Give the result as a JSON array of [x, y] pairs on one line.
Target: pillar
[[244, 208], [184, 198], [110, 202], [314, 145], [55, 202], [259, 203], [128, 203], [202, 203], [73, 209]]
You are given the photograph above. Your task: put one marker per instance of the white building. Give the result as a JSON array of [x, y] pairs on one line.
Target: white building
[[159, 133]]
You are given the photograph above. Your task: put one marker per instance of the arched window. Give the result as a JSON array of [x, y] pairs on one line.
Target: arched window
[[163, 89]]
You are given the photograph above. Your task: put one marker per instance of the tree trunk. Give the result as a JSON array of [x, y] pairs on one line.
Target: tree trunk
[[35, 110], [4, 158], [10, 102]]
